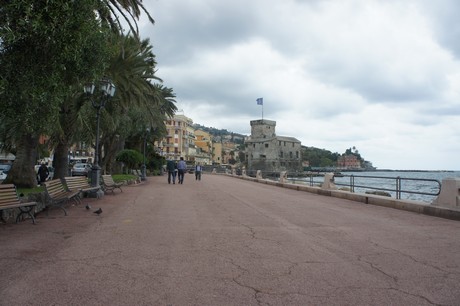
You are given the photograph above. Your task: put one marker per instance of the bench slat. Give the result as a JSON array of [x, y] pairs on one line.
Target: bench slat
[[58, 194], [9, 199], [109, 183], [80, 183]]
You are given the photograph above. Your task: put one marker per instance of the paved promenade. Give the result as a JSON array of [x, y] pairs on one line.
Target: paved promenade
[[226, 241]]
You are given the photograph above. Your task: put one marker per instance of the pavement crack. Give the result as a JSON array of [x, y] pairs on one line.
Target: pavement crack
[[373, 266]]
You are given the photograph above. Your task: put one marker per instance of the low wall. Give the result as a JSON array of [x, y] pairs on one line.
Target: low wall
[[407, 205]]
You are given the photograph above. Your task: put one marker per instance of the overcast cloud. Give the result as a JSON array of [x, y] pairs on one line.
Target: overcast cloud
[[383, 76]]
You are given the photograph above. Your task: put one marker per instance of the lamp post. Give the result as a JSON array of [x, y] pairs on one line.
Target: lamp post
[[105, 91], [144, 176]]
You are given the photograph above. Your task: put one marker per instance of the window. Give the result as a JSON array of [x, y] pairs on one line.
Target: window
[[285, 143], [253, 145], [290, 154], [266, 145], [281, 154], [297, 154]]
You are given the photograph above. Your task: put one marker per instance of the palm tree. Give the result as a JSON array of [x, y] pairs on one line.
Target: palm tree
[[140, 103], [130, 10]]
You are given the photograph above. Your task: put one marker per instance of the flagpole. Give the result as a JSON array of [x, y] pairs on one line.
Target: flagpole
[[262, 112]]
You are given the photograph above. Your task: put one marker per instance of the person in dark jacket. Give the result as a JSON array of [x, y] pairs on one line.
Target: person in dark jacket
[[198, 169], [171, 167], [43, 173]]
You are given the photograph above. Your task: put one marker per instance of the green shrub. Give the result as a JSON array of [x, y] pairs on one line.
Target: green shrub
[[131, 158]]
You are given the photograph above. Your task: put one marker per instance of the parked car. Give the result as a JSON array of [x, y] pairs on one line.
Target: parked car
[[5, 168], [81, 169]]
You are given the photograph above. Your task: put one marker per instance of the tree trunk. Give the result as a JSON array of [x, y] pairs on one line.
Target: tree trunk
[[22, 173], [61, 161], [113, 146]]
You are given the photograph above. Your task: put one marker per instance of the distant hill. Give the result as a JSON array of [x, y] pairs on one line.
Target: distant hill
[[221, 134]]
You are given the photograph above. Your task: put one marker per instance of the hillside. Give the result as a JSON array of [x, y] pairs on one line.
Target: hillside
[[221, 134]]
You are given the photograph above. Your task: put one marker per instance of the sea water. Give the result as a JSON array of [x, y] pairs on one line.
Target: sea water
[[389, 182]]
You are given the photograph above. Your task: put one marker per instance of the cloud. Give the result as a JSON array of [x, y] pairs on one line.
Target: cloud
[[383, 76]]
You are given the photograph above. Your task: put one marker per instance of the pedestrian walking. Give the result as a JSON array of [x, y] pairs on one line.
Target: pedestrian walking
[[198, 172], [171, 168], [43, 173], [181, 168]]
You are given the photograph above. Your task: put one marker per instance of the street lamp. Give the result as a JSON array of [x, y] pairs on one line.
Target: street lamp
[[105, 91], [143, 175]]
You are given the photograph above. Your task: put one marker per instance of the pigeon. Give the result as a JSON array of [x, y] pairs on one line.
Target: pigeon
[[99, 211], [88, 206]]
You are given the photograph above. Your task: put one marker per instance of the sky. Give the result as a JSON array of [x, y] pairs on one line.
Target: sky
[[381, 76]]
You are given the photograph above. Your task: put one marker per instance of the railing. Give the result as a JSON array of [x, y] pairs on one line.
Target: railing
[[396, 182], [396, 185]]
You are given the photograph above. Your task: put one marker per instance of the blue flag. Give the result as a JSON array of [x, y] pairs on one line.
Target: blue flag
[[260, 101]]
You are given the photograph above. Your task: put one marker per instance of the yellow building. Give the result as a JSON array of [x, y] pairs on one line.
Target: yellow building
[[179, 138], [203, 145], [217, 153]]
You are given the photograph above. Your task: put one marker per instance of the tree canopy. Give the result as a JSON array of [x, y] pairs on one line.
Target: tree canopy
[[48, 50]]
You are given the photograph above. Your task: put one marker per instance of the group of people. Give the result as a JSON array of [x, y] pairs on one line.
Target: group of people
[[179, 169]]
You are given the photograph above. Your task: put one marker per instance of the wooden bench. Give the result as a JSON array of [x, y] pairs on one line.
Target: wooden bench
[[80, 183], [58, 195], [108, 184], [9, 200]]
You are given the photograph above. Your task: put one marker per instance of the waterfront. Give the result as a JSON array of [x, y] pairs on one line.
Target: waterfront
[[388, 181]]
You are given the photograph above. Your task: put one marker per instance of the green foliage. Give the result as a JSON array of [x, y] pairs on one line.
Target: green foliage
[[355, 152], [131, 158], [117, 178], [26, 191], [319, 157], [156, 162], [46, 47]]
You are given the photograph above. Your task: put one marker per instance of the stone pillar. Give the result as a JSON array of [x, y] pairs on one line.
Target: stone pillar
[[243, 172], [450, 193], [328, 181], [214, 171], [233, 171], [259, 175], [283, 176]]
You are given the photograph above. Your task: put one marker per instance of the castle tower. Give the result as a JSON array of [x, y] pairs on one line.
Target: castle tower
[[263, 128], [270, 153]]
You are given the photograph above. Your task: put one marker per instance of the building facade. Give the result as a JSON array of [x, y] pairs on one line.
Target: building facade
[[177, 142], [270, 153], [348, 162], [203, 143]]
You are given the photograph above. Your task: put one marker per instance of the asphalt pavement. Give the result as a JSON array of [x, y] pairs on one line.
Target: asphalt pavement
[[226, 241]]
